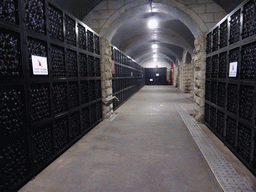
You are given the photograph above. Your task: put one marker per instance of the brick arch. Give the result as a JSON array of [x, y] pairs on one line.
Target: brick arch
[[108, 16]]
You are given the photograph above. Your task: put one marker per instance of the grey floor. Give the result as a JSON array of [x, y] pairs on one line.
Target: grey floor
[[146, 147]]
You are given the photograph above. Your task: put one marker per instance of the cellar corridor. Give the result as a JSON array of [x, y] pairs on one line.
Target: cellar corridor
[[76, 114], [147, 146]]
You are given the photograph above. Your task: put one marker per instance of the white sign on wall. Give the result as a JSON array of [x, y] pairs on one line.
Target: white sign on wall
[[39, 65], [233, 69]]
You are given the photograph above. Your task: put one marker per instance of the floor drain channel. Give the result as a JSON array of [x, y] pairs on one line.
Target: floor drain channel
[[224, 172]]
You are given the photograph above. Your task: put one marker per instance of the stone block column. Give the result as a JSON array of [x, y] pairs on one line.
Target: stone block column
[[187, 78], [176, 76], [106, 77], [199, 62]]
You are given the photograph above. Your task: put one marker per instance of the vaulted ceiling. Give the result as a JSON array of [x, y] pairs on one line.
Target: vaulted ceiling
[[80, 8], [130, 33]]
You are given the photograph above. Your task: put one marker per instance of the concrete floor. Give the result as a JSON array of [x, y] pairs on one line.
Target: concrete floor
[[147, 147]]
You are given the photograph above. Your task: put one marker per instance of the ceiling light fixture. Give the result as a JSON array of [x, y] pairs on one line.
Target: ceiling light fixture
[[155, 56], [154, 46], [152, 23]]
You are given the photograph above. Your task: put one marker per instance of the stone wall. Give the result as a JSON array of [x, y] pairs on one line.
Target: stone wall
[[180, 73], [205, 10], [199, 62], [106, 77], [188, 78], [176, 76], [184, 75]]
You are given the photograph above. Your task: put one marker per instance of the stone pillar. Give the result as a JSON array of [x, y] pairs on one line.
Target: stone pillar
[[180, 64], [199, 62], [186, 74], [106, 77], [187, 78], [176, 76]]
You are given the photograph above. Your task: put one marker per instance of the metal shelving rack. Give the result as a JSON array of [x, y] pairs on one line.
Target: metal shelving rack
[[43, 115], [230, 107], [128, 79]]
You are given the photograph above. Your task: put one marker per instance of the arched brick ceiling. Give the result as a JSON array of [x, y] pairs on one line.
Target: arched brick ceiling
[[80, 8], [176, 32], [129, 32]]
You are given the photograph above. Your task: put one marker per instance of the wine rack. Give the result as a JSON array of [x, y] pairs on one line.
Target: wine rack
[[83, 65], [61, 133], [73, 94], [58, 61], [91, 88], [214, 88], [209, 43], [85, 118], [90, 40], [72, 63], [90, 62], [97, 67], [55, 23], [220, 128], [223, 63], [70, 30], [235, 27], [224, 34], [59, 93], [213, 119], [244, 141], [74, 125], [42, 115], [42, 145], [12, 112], [128, 79], [81, 37], [215, 39], [208, 67], [207, 113], [231, 132], [232, 99], [248, 65], [84, 92], [246, 102], [231, 79], [10, 57], [97, 44], [36, 47], [35, 16], [215, 63], [9, 11], [208, 90], [221, 99], [40, 102], [16, 164]]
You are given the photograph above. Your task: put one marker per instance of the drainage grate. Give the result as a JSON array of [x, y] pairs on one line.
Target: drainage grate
[[224, 172]]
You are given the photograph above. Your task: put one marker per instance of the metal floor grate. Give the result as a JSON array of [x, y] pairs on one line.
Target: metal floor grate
[[224, 172]]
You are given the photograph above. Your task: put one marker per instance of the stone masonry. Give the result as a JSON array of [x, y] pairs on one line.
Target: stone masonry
[[199, 62], [206, 10], [106, 77], [187, 78], [176, 76]]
